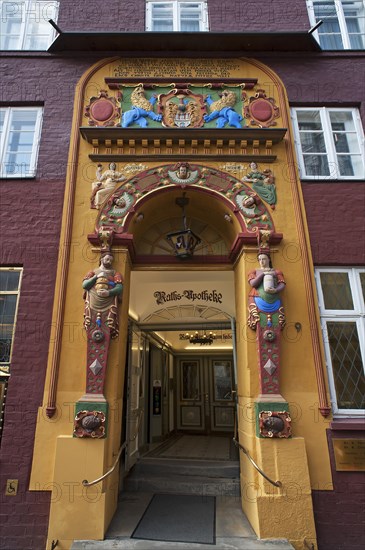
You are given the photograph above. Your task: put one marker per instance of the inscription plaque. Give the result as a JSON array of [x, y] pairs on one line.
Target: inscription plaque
[[349, 455]]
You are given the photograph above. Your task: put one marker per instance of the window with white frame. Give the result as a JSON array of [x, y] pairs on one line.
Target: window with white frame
[[341, 295], [24, 25], [176, 16], [10, 279], [343, 23], [329, 143], [20, 129]]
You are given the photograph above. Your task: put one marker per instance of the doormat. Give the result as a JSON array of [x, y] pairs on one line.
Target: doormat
[[178, 518]]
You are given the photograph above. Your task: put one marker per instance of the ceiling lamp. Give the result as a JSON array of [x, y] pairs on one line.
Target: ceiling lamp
[[202, 339], [183, 242]]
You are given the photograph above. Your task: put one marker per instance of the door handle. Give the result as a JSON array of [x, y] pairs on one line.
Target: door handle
[[206, 398]]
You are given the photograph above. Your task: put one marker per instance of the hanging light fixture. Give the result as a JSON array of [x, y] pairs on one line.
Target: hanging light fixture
[[183, 242], [203, 339]]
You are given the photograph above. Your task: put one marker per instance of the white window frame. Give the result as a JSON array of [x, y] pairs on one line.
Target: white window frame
[[338, 8], [31, 10], [4, 141], [331, 153], [356, 315], [175, 4], [6, 364]]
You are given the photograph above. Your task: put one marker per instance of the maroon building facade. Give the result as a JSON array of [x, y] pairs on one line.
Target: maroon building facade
[[31, 212]]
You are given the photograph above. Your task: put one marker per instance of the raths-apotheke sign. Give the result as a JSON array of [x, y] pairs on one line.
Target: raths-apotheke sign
[[210, 296]]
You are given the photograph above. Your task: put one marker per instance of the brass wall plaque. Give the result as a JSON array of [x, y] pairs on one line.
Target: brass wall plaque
[[11, 487], [349, 455]]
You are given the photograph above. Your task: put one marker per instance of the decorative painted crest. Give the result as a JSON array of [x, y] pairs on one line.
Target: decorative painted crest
[[103, 110], [182, 108], [261, 110]]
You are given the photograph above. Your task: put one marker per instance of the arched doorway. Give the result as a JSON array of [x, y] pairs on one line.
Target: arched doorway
[[181, 382]]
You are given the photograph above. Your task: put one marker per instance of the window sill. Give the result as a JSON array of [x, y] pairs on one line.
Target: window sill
[[332, 180], [348, 424]]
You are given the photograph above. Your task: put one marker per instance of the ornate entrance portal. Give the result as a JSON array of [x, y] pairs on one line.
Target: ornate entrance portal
[[230, 152]]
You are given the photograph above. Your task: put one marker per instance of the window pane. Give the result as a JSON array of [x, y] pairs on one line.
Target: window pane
[[162, 17], [346, 141], [7, 308], [20, 143], [2, 119], [316, 165], [9, 280], [329, 32], [309, 120], [348, 370], [7, 314], [162, 26], [312, 143], [190, 387], [354, 14], [190, 17], [362, 281], [336, 290], [12, 15], [222, 380], [25, 26]]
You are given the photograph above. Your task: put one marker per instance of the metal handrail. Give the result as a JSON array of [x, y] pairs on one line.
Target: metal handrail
[[245, 451], [87, 483]]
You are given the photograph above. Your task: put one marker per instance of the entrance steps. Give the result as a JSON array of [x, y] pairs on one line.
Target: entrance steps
[[189, 477], [182, 476], [222, 543]]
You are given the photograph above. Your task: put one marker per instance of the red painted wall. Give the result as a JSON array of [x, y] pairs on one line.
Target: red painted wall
[[336, 222]]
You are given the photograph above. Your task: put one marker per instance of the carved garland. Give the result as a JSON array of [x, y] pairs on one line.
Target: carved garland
[[243, 198]]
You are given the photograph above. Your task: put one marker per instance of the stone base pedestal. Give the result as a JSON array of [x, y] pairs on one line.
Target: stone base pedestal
[[272, 417], [91, 418]]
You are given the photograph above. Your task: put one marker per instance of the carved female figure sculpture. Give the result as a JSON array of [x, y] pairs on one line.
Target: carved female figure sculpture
[[263, 183], [105, 184], [267, 318], [266, 284]]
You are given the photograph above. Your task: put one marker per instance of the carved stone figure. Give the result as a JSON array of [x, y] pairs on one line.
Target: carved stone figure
[[266, 283], [105, 184], [142, 108], [183, 174], [102, 286], [262, 183], [222, 110], [267, 318]]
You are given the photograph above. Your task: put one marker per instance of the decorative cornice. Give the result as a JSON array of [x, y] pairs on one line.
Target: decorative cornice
[[120, 144]]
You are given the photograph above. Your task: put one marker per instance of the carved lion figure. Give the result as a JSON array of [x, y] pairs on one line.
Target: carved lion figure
[[139, 99], [142, 108], [227, 99], [222, 110]]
